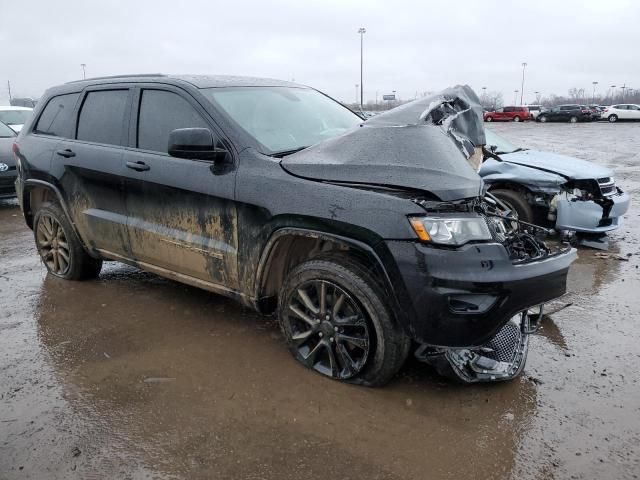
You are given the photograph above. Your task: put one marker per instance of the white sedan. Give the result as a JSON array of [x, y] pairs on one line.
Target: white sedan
[[626, 111], [15, 117]]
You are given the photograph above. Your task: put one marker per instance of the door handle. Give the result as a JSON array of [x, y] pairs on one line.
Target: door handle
[[138, 166], [68, 153]]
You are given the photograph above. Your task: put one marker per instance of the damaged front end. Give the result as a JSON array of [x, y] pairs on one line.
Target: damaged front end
[[503, 356]]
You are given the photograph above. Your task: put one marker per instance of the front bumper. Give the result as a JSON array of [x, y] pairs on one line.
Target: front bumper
[[7, 183], [586, 215], [462, 297]]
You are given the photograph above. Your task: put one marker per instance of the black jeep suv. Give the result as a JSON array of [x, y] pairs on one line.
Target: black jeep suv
[[363, 237]]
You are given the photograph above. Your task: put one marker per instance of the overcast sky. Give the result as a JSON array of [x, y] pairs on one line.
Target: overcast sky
[[409, 46]]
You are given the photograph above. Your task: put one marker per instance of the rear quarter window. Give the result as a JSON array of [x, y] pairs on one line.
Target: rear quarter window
[[57, 117], [102, 117]]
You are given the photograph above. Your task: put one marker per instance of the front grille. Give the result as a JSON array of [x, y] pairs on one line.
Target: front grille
[[504, 346], [607, 186]]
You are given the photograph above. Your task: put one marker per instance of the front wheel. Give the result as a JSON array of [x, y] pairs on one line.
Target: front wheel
[[612, 118], [488, 119], [573, 120], [516, 119], [59, 247], [516, 202], [542, 119], [337, 322]]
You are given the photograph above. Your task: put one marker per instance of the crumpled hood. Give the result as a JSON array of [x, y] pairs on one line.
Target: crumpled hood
[[569, 167], [422, 145]]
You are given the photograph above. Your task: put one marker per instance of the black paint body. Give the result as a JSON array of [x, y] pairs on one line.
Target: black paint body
[[217, 223]]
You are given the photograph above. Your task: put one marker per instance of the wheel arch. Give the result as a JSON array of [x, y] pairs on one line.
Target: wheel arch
[[35, 193], [288, 247]]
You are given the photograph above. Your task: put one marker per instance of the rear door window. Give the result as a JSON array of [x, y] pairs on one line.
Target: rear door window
[[102, 117], [160, 113], [57, 117], [508, 109]]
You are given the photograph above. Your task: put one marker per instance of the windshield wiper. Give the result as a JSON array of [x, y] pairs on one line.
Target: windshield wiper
[[284, 153]]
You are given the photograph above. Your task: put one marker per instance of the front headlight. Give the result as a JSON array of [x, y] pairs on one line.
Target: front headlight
[[452, 231]]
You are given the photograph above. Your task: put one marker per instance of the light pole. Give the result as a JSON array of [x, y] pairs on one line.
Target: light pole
[[623, 88], [593, 99], [515, 96], [524, 64], [361, 31], [613, 92], [357, 95], [84, 73], [537, 93], [484, 94]]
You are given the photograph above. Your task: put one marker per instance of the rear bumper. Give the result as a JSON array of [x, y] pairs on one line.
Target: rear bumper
[[586, 216], [462, 297]]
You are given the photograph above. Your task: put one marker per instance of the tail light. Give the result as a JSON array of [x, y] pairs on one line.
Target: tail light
[[585, 111], [15, 148]]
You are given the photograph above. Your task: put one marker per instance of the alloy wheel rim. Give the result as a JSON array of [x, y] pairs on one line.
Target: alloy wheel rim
[[327, 329], [52, 245]]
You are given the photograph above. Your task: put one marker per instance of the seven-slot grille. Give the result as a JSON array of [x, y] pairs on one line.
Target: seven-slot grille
[[607, 186]]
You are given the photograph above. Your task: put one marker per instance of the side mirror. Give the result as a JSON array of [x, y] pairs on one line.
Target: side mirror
[[196, 143], [493, 148]]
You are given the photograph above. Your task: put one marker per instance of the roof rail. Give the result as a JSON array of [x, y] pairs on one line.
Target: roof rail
[[120, 76]]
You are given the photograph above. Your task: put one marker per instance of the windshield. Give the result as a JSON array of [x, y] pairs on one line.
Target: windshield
[[502, 145], [284, 119], [14, 117], [6, 132]]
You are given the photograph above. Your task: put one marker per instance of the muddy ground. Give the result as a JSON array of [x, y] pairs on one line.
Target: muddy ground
[[133, 376]]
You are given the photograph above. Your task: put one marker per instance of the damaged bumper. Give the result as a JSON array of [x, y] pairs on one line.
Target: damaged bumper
[[589, 216], [462, 297]]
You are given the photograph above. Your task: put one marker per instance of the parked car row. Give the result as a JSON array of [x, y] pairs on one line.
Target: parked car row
[[571, 113]]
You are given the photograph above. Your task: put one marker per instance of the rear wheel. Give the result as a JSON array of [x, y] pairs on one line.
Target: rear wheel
[[336, 321], [542, 119], [573, 120], [516, 119], [516, 202], [59, 247], [612, 118]]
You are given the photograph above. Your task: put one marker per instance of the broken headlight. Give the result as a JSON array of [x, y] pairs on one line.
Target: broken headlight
[[454, 231]]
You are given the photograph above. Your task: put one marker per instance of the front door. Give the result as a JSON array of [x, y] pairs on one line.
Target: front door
[[182, 215]]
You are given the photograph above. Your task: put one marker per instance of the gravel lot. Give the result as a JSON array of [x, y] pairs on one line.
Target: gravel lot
[[133, 376]]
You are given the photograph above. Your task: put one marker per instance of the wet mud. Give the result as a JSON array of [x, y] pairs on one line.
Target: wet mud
[[135, 376]]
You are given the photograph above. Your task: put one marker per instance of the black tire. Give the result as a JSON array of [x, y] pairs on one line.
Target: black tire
[[542, 118], [516, 118], [573, 119], [488, 119], [517, 202], [387, 347], [612, 118], [76, 264]]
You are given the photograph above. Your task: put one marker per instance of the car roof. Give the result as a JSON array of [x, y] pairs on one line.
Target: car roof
[[10, 107], [198, 81]]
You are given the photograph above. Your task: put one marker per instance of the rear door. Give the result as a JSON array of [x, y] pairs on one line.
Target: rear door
[[182, 215], [507, 113], [624, 112], [634, 112], [93, 168]]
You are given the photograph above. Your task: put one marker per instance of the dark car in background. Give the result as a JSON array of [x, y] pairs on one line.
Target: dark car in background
[[508, 114], [360, 236], [566, 113], [7, 162]]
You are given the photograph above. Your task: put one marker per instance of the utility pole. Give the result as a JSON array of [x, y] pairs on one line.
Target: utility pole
[[9, 88], [361, 31], [524, 64]]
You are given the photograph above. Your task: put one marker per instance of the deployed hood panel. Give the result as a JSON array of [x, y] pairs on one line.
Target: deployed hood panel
[[422, 145], [572, 168], [420, 157]]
